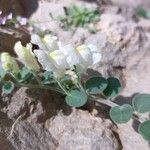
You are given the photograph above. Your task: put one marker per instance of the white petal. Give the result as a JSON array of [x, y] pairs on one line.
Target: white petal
[[44, 60], [59, 59], [96, 58], [51, 42], [93, 48], [85, 55], [18, 47], [35, 39], [71, 54]]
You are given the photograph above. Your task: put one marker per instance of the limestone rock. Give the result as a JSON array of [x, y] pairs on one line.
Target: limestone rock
[[32, 136], [80, 130]]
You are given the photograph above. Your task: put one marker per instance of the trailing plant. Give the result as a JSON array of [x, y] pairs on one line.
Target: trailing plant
[[79, 16], [60, 68]]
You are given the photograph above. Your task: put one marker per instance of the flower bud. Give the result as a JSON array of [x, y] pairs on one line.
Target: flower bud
[[26, 56], [72, 74], [9, 63]]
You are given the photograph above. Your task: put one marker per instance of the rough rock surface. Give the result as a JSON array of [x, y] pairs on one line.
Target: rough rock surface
[[80, 130], [69, 129], [9, 36]]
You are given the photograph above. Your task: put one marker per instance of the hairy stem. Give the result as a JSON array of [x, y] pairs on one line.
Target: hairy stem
[[65, 91], [34, 86]]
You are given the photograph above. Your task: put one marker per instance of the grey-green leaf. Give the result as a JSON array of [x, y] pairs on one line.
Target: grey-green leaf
[[76, 98], [2, 73], [121, 114], [25, 75], [113, 88], [141, 103], [96, 85], [144, 130], [8, 87]]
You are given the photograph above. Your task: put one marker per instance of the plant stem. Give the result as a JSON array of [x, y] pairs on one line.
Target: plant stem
[[36, 77], [38, 87], [111, 104], [65, 91]]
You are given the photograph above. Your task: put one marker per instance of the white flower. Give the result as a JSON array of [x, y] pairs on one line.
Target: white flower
[[88, 54], [53, 61], [9, 63], [71, 55], [44, 60], [26, 56], [47, 43], [83, 56]]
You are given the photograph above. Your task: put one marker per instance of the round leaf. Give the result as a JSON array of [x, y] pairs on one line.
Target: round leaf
[[96, 85], [121, 114], [8, 87], [141, 103], [113, 88], [144, 130], [76, 98]]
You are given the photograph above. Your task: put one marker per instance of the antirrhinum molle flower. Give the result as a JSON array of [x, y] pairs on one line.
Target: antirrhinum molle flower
[[26, 56], [82, 57], [46, 43], [9, 63], [53, 61]]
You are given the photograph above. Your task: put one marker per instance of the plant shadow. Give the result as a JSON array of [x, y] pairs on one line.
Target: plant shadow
[[51, 103]]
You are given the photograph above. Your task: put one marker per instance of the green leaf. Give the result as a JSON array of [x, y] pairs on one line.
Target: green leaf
[[96, 85], [141, 103], [2, 73], [25, 75], [144, 130], [76, 98], [8, 87], [113, 88], [47, 78], [121, 114]]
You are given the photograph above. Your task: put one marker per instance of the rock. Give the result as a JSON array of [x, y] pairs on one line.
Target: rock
[[126, 50], [60, 122], [14, 6], [130, 137], [28, 136], [125, 47], [12, 35], [132, 3], [19, 8], [80, 130]]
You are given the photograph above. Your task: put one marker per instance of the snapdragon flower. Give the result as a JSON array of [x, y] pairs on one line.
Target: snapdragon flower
[[9, 63], [53, 61], [83, 56], [47, 43], [57, 58], [26, 56], [88, 54]]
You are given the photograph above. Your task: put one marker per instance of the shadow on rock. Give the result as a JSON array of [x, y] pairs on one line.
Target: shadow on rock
[[29, 6], [46, 104]]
